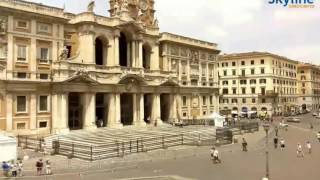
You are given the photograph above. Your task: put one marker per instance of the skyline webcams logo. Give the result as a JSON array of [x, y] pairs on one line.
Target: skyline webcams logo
[[294, 3]]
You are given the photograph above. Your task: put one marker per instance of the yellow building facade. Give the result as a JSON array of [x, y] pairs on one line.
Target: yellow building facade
[[61, 71]]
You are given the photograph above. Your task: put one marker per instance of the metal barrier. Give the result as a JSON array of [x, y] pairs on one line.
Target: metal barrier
[[30, 142]]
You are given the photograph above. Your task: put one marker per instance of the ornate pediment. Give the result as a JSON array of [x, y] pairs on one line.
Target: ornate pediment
[[81, 77], [132, 79], [170, 82]]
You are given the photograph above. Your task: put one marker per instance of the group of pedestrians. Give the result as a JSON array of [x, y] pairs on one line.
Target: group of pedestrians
[[12, 169], [41, 166]]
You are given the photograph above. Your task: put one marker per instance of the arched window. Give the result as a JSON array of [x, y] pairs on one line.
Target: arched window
[[123, 50], [101, 51], [146, 56]]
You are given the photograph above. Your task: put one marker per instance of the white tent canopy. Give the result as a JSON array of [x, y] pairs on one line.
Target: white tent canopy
[[218, 119], [8, 148]]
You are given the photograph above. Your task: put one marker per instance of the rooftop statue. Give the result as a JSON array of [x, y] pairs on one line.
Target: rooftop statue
[[91, 6]]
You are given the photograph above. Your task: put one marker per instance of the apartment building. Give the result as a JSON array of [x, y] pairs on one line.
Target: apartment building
[[309, 86], [258, 81]]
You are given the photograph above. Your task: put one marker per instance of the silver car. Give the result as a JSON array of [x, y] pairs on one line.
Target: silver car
[[293, 119]]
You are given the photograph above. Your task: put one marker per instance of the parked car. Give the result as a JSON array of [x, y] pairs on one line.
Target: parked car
[[318, 117], [314, 114], [293, 119], [283, 125]]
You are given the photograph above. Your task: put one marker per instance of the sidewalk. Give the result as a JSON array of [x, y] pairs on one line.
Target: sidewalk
[[61, 164]]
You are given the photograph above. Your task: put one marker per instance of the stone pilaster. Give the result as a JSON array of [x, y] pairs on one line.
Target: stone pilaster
[[140, 54], [133, 54], [60, 114], [33, 112], [9, 111], [140, 111], [154, 61]]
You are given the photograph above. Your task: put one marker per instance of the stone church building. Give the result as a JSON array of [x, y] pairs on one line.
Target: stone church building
[[61, 71]]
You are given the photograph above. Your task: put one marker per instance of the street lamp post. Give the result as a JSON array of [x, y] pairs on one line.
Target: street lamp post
[[266, 127]]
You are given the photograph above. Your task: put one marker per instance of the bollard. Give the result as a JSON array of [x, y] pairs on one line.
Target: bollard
[[181, 139]]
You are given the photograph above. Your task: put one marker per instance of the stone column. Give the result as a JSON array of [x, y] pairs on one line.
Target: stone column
[[10, 56], [156, 110], [140, 111], [173, 107], [133, 54], [129, 55], [33, 112], [135, 109], [89, 111], [114, 116], [200, 105], [116, 59], [60, 113], [154, 61], [207, 74], [9, 111], [188, 73], [179, 70], [140, 54]]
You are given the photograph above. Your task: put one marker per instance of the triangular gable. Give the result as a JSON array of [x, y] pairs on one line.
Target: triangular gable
[[133, 79], [170, 82], [81, 77]]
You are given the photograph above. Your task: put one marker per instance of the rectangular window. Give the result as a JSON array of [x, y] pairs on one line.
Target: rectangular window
[[43, 124], [44, 28], [43, 103], [22, 24], [184, 100], [21, 75], [243, 90], [44, 76], [44, 55], [233, 72], [204, 100], [22, 53], [253, 90], [234, 100], [21, 125], [243, 63], [224, 91], [225, 72], [234, 91], [262, 70], [263, 91], [263, 100], [243, 72], [253, 81], [253, 100], [262, 81], [3, 51], [211, 100], [234, 81], [21, 104], [233, 63], [252, 71], [262, 61], [244, 100], [252, 62], [225, 83]]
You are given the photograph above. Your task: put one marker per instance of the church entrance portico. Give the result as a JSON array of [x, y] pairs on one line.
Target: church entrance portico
[[75, 111]]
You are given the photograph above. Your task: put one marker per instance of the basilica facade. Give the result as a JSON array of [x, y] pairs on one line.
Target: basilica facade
[[61, 71]]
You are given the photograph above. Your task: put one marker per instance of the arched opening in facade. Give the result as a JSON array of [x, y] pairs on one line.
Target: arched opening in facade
[[101, 51], [244, 109], [75, 111], [304, 107], [147, 108], [146, 56], [165, 107], [123, 50], [126, 101], [253, 109], [264, 109], [235, 109]]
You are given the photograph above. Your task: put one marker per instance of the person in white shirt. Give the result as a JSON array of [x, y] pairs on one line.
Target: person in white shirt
[[299, 150], [308, 145], [215, 154], [282, 144]]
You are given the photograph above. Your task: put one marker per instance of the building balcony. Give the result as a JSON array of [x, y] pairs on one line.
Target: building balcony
[[270, 94]]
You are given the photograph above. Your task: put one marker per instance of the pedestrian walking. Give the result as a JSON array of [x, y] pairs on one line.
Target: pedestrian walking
[[20, 168], [308, 145], [311, 126], [215, 155], [39, 165], [244, 145], [282, 144], [276, 129], [14, 170], [5, 169], [48, 168], [275, 142], [299, 150], [318, 136]]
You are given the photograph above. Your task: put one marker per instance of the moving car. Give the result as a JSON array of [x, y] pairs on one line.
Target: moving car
[[293, 119]]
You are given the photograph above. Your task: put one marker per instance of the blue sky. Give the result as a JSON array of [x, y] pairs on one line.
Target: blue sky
[[236, 25]]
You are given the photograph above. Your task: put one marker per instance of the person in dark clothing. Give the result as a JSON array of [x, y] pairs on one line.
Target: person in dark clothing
[[244, 145], [276, 129], [275, 142], [39, 165], [5, 168]]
